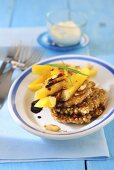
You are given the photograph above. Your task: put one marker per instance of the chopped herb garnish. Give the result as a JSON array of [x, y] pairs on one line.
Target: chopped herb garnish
[[67, 68]]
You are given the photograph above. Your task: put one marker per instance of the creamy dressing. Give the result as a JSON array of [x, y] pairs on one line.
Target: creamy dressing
[[65, 33]]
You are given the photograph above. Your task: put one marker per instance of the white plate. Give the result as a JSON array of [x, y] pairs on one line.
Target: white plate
[[20, 98]]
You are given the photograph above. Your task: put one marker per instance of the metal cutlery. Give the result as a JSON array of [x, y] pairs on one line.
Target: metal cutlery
[[25, 58], [7, 57]]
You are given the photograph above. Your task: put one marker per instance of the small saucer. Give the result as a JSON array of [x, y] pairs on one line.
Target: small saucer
[[45, 41]]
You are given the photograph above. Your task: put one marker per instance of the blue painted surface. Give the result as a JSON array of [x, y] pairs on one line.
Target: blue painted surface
[[100, 28], [6, 12], [33, 12], [57, 165], [105, 164]]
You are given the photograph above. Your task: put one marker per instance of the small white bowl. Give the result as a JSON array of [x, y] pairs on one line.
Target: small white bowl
[[20, 98]]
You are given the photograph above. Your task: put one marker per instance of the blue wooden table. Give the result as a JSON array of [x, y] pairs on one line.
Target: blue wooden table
[[100, 13]]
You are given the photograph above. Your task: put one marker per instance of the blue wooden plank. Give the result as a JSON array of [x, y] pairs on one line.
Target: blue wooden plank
[[110, 136], [58, 165], [105, 164], [33, 13], [6, 12], [101, 165], [100, 25]]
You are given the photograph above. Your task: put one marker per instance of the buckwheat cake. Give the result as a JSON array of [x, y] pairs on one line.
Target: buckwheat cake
[[86, 104]]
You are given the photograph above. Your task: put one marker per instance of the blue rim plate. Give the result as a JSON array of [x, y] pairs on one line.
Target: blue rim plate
[[20, 109], [45, 41]]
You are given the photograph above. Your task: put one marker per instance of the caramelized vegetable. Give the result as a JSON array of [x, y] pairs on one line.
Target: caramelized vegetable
[[46, 102], [35, 86], [44, 92], [40, 69], [78, 81], [58, 77]]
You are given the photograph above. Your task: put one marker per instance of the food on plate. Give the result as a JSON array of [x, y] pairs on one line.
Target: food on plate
[[87, 103], [69, 92], [53, 128], [46, 102]]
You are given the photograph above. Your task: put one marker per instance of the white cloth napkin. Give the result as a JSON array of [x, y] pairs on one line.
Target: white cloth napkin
[[17, 145]]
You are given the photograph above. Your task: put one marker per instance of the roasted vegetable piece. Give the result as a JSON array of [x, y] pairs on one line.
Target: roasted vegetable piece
[[44, 92], [68, 93], [55, 71], [38, 83], [34, 86], [70, 80], [73, 78], [46, 102], [42, 78], [55, 79], [41, 69], [93, 72]]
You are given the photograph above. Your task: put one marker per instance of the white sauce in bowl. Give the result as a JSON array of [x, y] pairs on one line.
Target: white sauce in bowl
[[65, 33]]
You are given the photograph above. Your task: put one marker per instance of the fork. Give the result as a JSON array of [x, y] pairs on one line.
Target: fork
[[24, 61], [7, 58]]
